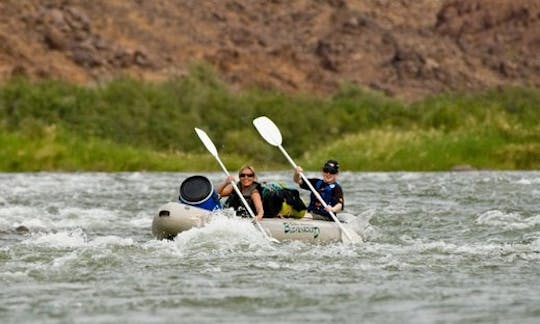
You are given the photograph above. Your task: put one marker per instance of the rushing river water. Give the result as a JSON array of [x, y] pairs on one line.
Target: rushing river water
[[438, 247]]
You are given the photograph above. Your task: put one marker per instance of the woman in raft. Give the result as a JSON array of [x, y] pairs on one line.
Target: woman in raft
[[251, 191]]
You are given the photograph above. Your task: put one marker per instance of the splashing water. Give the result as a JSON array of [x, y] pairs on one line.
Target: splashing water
[[438, 247]]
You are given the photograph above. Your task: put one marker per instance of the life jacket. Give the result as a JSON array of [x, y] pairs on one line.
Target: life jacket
[[235, 202], [326, 190]]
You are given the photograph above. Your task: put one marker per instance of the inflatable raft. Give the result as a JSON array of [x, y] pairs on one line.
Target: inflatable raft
[[198, 203], [174, 218]]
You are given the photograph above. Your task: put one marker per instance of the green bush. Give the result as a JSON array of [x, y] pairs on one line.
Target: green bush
[[126, 124]]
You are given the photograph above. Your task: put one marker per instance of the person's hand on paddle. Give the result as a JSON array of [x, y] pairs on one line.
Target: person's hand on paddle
[[258, 218], [221, 187], [297, 171]]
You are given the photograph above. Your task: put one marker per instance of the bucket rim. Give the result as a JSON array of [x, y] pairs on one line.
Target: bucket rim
[[211, 192]]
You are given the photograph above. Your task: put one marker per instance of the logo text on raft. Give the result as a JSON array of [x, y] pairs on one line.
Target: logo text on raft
[[292, 228]]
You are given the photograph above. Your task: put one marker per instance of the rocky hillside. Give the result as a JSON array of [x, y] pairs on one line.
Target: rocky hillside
[[405, 48]]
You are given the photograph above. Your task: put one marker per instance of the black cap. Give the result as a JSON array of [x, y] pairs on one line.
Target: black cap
[[331, 166]]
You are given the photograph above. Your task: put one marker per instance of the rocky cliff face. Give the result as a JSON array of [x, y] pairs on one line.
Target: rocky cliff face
[[405, 48]]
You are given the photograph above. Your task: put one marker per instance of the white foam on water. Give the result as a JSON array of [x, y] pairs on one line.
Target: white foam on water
[[527, 181], [72, 244], [162, 247], [135, 175], [481, 250], [63, 239], [410, 176], [228, 230], [507, 221], [16, 213], [64, 260], [54, 218], [14, 276], [141, 220], [111, 240], [85, 217], [222, 234], [535, 245]]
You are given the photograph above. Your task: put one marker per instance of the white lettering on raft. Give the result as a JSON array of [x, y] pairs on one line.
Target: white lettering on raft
[[294, 228]]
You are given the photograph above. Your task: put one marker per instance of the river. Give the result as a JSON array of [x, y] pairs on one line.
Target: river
[[437, 248]]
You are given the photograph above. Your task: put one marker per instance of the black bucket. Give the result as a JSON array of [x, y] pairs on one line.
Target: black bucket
[[198, 191]]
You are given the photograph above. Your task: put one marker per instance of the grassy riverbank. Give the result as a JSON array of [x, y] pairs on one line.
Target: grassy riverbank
[[128, 125]]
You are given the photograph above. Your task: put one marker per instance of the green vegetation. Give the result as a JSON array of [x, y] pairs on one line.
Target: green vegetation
[[127, 125]]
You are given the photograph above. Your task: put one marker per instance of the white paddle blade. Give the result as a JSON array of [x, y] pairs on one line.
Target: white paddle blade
[[268, 130], [206, 141]]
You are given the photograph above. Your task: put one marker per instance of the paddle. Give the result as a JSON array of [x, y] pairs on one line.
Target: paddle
[[272, 135], [212, 149]]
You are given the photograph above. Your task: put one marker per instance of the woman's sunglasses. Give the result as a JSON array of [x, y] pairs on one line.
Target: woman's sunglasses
[[244, 175]]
